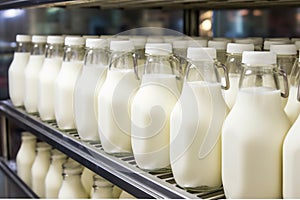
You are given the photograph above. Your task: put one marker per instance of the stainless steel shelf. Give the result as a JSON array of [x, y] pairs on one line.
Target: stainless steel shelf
[[120, 170], [131, 4]]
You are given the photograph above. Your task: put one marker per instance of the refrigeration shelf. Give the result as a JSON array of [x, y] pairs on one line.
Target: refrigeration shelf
[[181, 4], [120, 170]]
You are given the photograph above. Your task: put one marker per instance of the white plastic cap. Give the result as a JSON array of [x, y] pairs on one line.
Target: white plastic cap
[[244, 41], [239, 48], [259, 58], [39, 39], [155, 40], [90, 36], [295, 39], [197, 43], [162, 49], [268, 43], [284, 39], [219, 45], [96, 43], [222, 39], [171, 38], [138, 41], [55, 39], [23, 38], [180, 44], [257, 40], [200, 53], [297, 43], [121, 45], [284, 49], [74, 40]]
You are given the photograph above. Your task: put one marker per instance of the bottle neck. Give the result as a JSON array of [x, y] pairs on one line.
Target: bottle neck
[[286, 62], [96, 57], [158, 64], [122, 60], [24, 47], [73, 53], [30, 143], [233, 63], [55, 50], [295, 74], [203, 70], [38, 49]]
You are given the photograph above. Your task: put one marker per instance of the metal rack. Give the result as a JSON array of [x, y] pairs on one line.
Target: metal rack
[[120, 170], [130, 4]]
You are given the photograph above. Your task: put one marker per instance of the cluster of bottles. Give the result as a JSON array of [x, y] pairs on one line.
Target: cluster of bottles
[[51, 174], [163, 100]]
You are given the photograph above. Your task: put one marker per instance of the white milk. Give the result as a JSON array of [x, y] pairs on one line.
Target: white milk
[[32, 71], [150, 115], [87, 180], [291, 162], [54, 177], [197, 118], [231, 93], [47, 78], [40, 168], [16, 77], [86, 93], [252, 138], [25, 157], [64, 93], [114, 105], [292, 107]]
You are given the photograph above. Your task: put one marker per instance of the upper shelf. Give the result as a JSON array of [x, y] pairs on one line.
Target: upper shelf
[[132, 4]]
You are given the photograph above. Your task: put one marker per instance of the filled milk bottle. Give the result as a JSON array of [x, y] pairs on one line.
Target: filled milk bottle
[[87, 88], [292, 108], [87, 180], [196, 123], [220, 46], [53, 178], [114, 102], [25, 157], [48, 75], [151, 108], [233, 64], [286, 57], [72, 187], [254, 130], [40, 168], [17, 68], [65, 82], [32, 71], [102, 189]]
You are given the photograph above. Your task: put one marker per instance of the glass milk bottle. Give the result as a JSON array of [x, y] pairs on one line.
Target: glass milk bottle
[[17, 68], [40, 168], [72, 187], [48, 75], [102, 189], [254, 130], [291, 155], [151, 108], [114, 102], [233, 64], [196, 123], [268, 43], [87, 180], [292, 108], [25, 157], [53, 178], [220, 46], [32, 71], [87, 88], [65, 82]]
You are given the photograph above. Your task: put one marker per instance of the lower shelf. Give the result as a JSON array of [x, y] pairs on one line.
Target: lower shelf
[[120, 170]]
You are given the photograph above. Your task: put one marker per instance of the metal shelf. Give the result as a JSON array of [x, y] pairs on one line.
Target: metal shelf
[[120, 170], [131, 4]]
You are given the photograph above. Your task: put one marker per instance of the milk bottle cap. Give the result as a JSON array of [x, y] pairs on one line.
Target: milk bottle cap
[[259, 58], [39, 39], [121, 46], [197, 43], [101, 182], [297, 43], [171, 38], [28, 135], [96, 43], [23, 38], [155, 39], [43, 146], [284, 49], [90, 36], [55, 39], [71, 167], [257, 40], [268, 43], [57, 154], [244, 41], [222, 39], [138, 42], [74, 40], [219, 45], [180, 44], [239, 48], [162, 49], [200, 53]]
